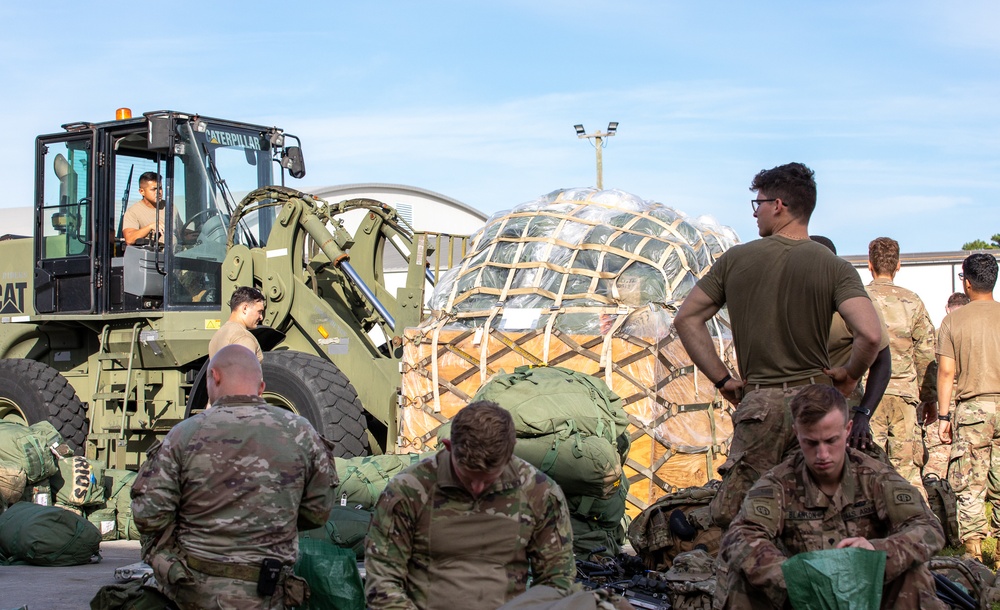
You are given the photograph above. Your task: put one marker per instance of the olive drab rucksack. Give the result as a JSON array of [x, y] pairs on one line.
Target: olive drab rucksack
[[944, 504], [676, 523], [362, 479]]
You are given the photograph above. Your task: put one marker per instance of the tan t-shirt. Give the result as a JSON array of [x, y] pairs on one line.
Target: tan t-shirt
[[971, 336], [781, 294], [230, 333], [140, 215]]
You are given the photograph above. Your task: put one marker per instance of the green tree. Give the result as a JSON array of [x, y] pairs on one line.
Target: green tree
[[979, 244]]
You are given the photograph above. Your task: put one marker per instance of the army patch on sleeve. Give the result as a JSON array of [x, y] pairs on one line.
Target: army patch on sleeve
[[903, 502], [763, 511], [761, 492]]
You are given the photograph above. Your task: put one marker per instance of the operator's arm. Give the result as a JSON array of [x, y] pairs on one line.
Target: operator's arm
[[387, 551], [915, 535], [321, 478], [945, 382], [875, 385], [550, 549], [860, 316], [691, 324], [748, 546]]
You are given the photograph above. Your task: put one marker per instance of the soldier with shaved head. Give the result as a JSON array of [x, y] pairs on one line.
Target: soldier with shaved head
[[224, 495]]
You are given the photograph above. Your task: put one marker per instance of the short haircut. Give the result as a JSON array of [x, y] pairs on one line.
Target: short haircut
[[148, 177], [883, 254], [482, 436], [793, 183], [981, 271], [958, 299], [813, 403], [245, 294], [826, 241]]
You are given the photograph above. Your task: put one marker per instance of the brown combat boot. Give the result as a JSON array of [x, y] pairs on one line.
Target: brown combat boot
[[974, 547]]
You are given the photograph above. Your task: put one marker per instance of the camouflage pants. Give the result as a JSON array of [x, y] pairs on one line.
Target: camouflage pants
[[205, 592], [914, 589], [894, 428], [975, 456], [938, 453], [762, 437]]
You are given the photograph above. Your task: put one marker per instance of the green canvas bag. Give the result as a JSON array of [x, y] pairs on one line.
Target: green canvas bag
[[46, 536], [581, 465], [362, 479], [547, 399], [119, 485], [347, 527], [79, 482], [27, 447]]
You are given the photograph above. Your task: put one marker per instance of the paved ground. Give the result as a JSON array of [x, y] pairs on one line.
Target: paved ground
[[69, 588]]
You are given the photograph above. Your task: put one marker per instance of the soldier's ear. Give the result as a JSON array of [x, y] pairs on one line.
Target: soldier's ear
[[850, 424]]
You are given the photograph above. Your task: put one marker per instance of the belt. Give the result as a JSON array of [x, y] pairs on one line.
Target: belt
[[238, 571], [984, 398], [821, 379]]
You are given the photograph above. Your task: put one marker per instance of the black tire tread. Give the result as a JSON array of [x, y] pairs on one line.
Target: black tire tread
[[342, 413], [62, 407]]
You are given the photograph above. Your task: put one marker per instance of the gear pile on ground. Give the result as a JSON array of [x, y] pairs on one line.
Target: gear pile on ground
[[588, 280], [37, 465]]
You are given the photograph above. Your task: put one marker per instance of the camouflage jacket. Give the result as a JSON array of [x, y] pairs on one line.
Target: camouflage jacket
[[235, 482], [911, 340], [432, 545], [785, 513]]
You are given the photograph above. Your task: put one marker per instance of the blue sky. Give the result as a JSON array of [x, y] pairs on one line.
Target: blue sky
[[894, 104]]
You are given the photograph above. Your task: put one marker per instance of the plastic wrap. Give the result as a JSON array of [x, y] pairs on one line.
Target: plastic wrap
[[589, 280]]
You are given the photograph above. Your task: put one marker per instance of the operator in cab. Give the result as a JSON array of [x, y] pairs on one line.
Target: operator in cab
[[148, 216]]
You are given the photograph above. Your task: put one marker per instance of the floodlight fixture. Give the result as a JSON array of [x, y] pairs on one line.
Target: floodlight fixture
[[600, 141], [580, 132], [612, 128]]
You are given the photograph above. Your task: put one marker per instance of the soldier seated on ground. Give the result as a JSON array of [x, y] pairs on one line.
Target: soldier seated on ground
[[828, 496], [467, 527]]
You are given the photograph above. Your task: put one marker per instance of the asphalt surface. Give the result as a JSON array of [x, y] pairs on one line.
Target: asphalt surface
[[69, 588]]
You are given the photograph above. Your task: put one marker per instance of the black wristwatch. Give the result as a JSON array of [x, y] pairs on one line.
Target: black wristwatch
[[944, 417], [862, 410], [722, 382]]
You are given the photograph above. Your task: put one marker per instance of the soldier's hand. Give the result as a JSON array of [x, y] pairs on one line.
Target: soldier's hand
[[944, 431], [842, 380], [856, 543], [733, 390], [861, 434]]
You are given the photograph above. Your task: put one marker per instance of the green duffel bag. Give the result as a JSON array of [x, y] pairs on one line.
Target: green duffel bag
[[588, 537], [581, 465], [27, 447], [606, 513], [79, 482], [545, 399], [105, 519], [362, 479], [347, 527], [46, 536], [118, 484]]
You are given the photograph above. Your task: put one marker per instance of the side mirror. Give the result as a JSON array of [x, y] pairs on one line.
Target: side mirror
[[161, 136], [291, 159]]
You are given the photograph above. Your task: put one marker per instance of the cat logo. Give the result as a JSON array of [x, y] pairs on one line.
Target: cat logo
[[13, 297]]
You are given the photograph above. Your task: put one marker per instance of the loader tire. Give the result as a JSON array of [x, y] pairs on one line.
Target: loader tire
[[31, 392], [317, 390]]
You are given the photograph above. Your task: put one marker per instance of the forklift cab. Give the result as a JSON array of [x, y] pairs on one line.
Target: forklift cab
[[88, 177]]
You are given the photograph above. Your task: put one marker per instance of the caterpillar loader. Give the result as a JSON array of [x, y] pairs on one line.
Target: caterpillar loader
[[109, 341]]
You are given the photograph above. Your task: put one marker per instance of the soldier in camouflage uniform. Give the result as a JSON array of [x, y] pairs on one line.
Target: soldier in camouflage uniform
[[781, 292], [227, 489], [911, 343], [969, 344], [468, 526], [828, 496]]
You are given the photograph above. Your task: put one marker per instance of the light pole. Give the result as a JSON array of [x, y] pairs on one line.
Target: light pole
[[599, 143]]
